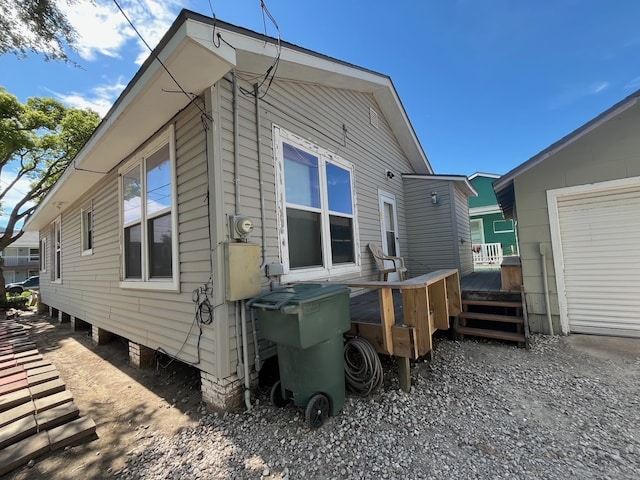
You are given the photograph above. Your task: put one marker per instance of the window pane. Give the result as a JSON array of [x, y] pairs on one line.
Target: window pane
[[158, 181], [133, 251], [341, 239], [305, 240], [89, 231], [131, 190], [159, 231], [339, 189], [302, 185]]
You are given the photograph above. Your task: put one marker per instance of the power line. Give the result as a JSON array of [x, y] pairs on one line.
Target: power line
[[191, 96]]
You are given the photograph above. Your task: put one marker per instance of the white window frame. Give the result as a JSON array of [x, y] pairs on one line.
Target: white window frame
[[138, 161], [502, 231], [85, 228], [56, 248], [327, 270], [43, 255]]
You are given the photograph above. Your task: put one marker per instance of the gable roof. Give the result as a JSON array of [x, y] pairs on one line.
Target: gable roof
[[504, 187], [150, 98]]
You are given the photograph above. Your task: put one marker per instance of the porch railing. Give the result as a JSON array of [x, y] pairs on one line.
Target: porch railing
[[487, 253]]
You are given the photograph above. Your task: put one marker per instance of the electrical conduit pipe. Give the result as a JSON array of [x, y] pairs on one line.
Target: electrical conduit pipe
[[545, 285]]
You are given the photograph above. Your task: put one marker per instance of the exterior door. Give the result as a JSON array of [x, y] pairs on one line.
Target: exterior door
[[477, 231], [389, 224]]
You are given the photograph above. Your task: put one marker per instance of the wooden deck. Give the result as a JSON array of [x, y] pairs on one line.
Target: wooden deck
[[486, 285]]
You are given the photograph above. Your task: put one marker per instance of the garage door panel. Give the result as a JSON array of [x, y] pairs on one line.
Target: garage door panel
[[600, 245]]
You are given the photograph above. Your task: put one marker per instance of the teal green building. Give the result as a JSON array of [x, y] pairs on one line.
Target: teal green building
[[487, 223]]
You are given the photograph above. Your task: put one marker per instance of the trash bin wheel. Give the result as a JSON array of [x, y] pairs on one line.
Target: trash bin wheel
[[317, 411], [277, 399]]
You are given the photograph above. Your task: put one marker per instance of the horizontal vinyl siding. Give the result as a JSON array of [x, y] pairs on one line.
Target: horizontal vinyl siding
[[431, 226], [90, 284], [318, 114], [463, 239]]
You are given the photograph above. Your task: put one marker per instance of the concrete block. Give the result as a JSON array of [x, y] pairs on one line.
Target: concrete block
[[71, 432], [14, 399], [51, 401], [21, 452], [47, 388], [16, 413], [56, 416], [17, 431]]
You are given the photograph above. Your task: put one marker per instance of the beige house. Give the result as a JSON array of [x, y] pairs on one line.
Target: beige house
[[577, 206], [191, 198]]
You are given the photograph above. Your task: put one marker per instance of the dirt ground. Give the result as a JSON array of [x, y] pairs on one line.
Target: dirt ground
[[126, 403]]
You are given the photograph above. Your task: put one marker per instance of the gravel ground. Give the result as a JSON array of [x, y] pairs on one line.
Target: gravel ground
[[480, 410]]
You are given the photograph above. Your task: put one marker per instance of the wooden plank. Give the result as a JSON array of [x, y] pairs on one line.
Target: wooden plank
[[492, 317], [17, 430], [16, 413], [47, 388], [497, 334], [416, 314], [387, 317], [438, 304], [492, 303], [14, 399], [404, 338], [50, 401], [56, 416], [453, 291]]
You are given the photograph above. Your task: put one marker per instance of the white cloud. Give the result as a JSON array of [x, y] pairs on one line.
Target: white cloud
[[99, 99], [103, 30], [634, 84], [575, 94]]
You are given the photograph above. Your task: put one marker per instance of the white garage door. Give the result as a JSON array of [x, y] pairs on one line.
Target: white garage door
[[600, 244]]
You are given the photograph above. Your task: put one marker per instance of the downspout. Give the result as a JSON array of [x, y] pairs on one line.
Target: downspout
[[245, 353], [545, 285]]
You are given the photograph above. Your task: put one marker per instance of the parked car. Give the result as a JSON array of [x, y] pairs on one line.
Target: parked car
[[19, 287]]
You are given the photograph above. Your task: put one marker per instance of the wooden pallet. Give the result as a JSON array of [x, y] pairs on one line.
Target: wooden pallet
[[493, 318]]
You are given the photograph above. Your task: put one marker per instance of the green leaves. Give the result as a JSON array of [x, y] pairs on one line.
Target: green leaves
[[38, 139]]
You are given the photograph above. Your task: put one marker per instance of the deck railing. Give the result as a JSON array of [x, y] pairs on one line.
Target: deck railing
[[487, 253]]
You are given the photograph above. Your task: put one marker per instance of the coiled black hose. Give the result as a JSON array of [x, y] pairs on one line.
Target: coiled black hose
[[362, 367]]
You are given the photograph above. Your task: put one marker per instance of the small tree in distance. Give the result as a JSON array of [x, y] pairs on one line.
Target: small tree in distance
[[38, 140]]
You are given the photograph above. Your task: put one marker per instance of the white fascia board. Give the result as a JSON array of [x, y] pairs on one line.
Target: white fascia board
[[462, 181], [141, 110], [484, 210], [487, 175]]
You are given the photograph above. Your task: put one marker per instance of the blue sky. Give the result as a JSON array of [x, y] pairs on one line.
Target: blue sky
[[486, 83]]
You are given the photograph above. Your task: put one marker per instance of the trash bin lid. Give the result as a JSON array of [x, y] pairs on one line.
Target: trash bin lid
[[296, 295]]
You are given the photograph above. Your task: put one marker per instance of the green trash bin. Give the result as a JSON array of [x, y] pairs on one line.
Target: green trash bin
[[306, 322]]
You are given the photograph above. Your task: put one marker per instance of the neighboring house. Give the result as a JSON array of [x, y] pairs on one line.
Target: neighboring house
[[21, 258], [492, 235], [183, 203], [577, 206]]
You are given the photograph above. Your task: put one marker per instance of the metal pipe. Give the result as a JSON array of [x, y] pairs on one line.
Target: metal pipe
[[240, 365], [260, 181], [236, 141], [545, 285], [245, 354]]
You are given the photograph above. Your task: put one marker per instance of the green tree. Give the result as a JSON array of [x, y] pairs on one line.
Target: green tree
[[35, 25], [38, 140]]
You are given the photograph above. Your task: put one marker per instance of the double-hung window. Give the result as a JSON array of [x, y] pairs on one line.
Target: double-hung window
[[43, 254], [316, 209], [149, 224]]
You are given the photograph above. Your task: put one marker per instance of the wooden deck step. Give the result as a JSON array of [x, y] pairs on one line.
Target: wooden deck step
[[492, 303], [492, 317], [497, 334]]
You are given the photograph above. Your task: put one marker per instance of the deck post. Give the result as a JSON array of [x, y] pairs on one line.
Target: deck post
[[404, 373]]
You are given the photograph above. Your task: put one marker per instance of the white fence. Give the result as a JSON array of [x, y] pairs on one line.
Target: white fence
[[487, 253]]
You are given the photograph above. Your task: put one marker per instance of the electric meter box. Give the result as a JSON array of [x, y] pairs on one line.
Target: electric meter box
[[242, 268]]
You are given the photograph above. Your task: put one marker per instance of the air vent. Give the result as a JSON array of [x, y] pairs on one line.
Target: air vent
[[373, 117]]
